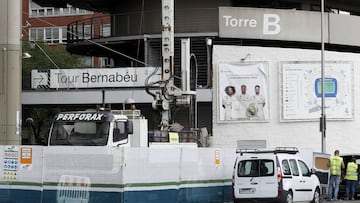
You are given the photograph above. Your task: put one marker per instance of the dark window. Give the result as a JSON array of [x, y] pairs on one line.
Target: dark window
[[294, 167], [255, 168], [119, 131], [304, 169], [80, 133], [286, 167]]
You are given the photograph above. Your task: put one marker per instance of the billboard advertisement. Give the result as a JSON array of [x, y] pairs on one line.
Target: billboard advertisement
[[243, 92]]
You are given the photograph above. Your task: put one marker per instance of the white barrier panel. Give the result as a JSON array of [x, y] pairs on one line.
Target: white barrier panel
[[21, 173], [187, 174], [73, 189], [100, 174], [147, 166]]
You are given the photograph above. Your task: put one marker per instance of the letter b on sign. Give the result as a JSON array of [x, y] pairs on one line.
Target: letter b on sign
[[271, 24]]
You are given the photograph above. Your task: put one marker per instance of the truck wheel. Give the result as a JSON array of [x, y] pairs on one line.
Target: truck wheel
[[316, 198]]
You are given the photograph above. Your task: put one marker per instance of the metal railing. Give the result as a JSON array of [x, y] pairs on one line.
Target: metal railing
[[90, 28], [140, 23]]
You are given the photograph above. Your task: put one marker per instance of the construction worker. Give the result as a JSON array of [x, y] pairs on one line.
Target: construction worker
[[351, 178], [335, 164]]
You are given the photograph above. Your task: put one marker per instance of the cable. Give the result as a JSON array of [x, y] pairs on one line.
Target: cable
[[140, 26], [43, 51], [147, 85], [192, 55]]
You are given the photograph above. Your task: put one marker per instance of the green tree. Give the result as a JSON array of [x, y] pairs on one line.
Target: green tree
[[40, 53]]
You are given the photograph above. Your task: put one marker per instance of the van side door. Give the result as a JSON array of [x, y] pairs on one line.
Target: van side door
[[297, 182], [308, 182]]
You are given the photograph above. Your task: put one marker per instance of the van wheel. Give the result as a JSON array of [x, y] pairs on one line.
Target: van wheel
[[289, 197], [316, 198]]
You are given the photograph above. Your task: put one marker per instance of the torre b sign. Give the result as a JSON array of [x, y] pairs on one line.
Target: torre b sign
[[288, 25], [272, 24]]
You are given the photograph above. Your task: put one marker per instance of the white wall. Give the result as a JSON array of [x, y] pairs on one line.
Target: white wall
[[340, 134]]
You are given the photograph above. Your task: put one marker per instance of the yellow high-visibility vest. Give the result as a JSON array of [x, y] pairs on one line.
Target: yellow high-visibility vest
[[351, 171], [335, 165]]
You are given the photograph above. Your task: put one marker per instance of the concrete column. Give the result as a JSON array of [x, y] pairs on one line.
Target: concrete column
[[10, 72]]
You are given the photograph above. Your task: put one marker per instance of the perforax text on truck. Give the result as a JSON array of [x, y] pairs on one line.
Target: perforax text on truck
[[79, 116]]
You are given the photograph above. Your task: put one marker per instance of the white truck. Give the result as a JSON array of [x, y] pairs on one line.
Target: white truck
[[98, 128]]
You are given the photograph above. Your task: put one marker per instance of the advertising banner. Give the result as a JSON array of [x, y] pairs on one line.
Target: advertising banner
[[302, 85], [243, 92]]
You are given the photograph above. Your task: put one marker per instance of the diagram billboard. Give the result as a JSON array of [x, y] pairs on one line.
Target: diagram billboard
[[301, 90]]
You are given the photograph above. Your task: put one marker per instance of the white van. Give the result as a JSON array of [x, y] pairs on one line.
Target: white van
[[278, 175]]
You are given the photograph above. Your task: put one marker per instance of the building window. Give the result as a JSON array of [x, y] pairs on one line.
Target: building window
[[41, 12], [39, 34], [84, 31], [38, 11], [56, 11], [87, 61], [55, 35], [51, 35], [33, 34], [66, 11], [106, 62], [64, 34], [48, 35], [106, 30], [50, 11]]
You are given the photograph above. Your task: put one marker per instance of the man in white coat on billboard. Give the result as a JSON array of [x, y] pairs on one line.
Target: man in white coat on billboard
[[260, 103]]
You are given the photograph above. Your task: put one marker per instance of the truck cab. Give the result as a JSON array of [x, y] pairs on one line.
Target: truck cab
[[91, 128]]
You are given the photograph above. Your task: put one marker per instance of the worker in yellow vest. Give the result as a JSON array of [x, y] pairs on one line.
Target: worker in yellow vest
[[351, 178], [335, 164]]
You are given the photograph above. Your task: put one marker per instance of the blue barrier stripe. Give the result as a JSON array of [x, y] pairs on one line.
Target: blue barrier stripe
[[191, 194]]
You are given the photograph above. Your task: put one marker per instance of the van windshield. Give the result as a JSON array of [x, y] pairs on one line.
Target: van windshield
[[80, 133], [255, 168]]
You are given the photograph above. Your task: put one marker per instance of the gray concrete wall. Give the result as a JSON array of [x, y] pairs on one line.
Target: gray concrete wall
[[10, 71]]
